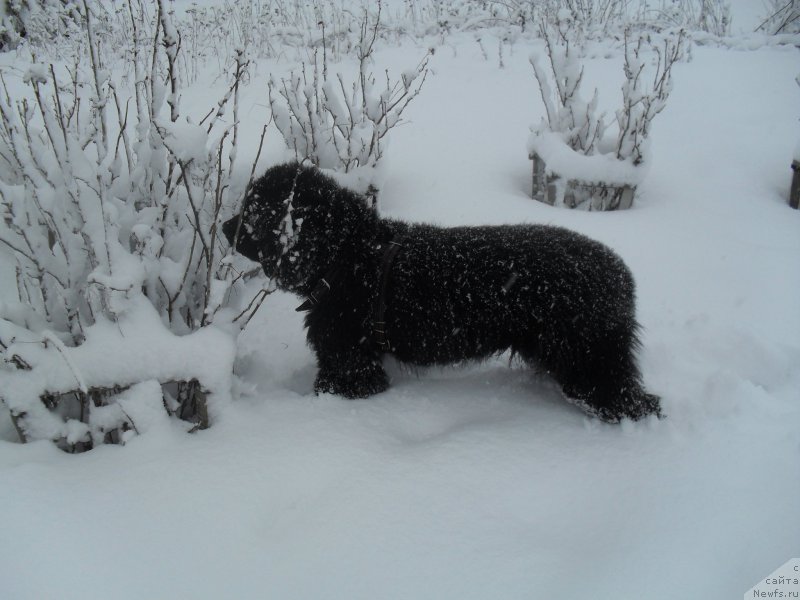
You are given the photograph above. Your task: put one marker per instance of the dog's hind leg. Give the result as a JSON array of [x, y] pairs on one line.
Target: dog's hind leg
[[597, 373], [605, 382], [624, 399]]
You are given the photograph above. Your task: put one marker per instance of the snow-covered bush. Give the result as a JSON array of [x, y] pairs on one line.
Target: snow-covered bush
[[566, 111], [339, 124], [38, 21], [111, 202], [589, 18], [429, 17], [711, 16], [587, 161], [783, 16], [645, 94]]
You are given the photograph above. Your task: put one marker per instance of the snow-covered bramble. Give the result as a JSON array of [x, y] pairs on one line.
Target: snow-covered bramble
[[643, 99], [559, 73], [339, 124], [709, 16], [38, 22], [782, 17], [112, 225]]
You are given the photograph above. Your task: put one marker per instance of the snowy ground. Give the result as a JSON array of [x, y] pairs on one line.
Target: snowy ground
[[481, 482]]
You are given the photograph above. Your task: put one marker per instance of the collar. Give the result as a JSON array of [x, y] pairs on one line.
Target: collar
[[332, 277], [322, 288]]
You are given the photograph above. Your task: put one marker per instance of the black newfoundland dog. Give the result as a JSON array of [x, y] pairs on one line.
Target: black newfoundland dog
[[435, 296]]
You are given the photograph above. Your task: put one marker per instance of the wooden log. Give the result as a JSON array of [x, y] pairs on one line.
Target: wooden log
[[794, 193], [539, 188], [194, 406], [15, 420]]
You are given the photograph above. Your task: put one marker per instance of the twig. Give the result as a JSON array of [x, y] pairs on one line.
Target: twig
[[127, 416], [94, 57], [258, 299], [249, 184], [48, 336]]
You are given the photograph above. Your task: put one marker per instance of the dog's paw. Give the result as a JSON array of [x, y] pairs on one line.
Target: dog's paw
[[352, 383], [633, 406], [642, 404]]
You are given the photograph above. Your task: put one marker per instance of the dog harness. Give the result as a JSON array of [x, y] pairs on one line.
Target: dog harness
[[332, 277], [379, 314]]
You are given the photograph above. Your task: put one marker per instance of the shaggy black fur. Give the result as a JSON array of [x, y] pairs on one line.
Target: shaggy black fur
[[560, 300]]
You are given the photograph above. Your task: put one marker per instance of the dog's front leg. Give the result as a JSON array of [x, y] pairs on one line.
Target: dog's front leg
[[355, 374]]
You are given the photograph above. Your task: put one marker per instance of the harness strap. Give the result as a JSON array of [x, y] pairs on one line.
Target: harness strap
[[379, 315]]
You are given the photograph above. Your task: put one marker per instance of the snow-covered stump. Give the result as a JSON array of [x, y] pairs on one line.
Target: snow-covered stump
[[794, 193], [564, 177]]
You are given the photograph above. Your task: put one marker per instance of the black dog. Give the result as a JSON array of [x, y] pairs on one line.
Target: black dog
[[433, 296]]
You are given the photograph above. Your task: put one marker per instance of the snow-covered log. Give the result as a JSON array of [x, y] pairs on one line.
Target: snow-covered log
[[113, 380], [794, 193]]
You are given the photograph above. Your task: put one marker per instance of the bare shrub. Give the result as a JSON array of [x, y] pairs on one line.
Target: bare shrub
[[339, 124], [587, 176], [566, 111], [111, 197], [711, 16], [645, 94], [783, 16]]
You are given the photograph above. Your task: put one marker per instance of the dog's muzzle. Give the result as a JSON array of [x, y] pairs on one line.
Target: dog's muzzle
[[229, 229]]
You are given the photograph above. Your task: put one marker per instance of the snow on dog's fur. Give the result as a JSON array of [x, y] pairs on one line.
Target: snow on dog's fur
[[561, 301]]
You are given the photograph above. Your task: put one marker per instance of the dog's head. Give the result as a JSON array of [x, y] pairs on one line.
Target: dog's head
[[295, 221]]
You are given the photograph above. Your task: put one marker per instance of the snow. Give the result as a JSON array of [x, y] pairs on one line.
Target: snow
[[562, 159], [37, 73], [186, 140], [477, 481]]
